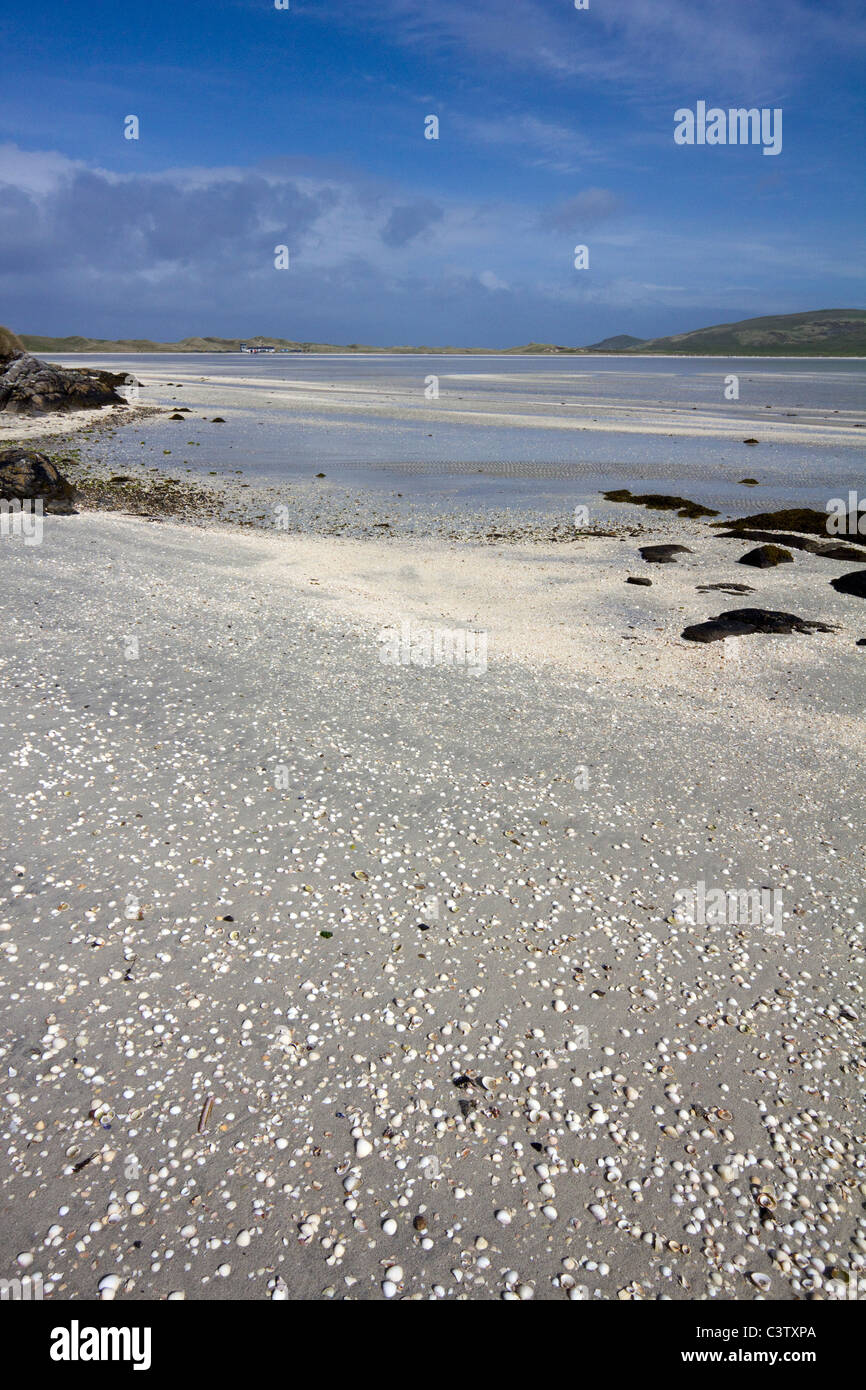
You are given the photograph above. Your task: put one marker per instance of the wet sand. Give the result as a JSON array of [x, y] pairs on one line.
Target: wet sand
[[503, 432]]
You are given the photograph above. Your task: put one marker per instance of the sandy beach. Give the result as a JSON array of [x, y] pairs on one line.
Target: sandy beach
[[338, 976]]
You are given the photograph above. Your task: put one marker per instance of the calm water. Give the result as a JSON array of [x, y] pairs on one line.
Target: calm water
[[513, 430]]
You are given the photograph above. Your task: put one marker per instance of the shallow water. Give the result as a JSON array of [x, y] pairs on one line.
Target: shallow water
[[535, 431]]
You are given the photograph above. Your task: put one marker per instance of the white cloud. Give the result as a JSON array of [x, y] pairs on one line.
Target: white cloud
[[491, 281], [37, 172]]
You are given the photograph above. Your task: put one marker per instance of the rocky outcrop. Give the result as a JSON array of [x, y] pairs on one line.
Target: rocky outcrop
[[26, 475], [660, 502], [740, 622], [31, 387], [805, 519], [828, 550]]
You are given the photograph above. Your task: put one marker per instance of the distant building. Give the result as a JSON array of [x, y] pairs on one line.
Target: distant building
[[246, 347]]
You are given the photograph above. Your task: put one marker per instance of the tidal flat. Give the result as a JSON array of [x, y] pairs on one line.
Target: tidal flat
[[334, 976]]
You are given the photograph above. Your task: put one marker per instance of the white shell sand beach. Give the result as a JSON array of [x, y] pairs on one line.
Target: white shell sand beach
[[333, 977]]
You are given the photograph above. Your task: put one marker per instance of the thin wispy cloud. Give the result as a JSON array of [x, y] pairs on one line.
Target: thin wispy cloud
[[631, 43], [537, 143]]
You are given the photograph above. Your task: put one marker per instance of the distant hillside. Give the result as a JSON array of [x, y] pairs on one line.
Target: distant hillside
[[36, 343], [820, 333], [620, 343]]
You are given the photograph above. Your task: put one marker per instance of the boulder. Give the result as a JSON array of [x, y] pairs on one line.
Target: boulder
[[852, 583], [26, 475], [766, 557], [31, 387]]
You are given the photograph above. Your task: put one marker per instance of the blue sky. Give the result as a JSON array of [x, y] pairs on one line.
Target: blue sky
[[305, 127]]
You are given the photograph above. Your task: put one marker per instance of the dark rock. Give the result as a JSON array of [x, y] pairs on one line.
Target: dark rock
[[740, 622], [766, 557], [750, 441], [176, 416], [833, 550], [861, 642], [110, 378], [806, 519], [731, 588], [632, 579], [828, 550], [749, 482], [660, 502], [27, 475], [31, 387], [217, 420], [853, 583], [663, 554]]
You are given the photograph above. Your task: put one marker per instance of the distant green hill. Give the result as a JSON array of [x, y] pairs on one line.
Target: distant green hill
[[34, 342], [620, 343], [819, 333]]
